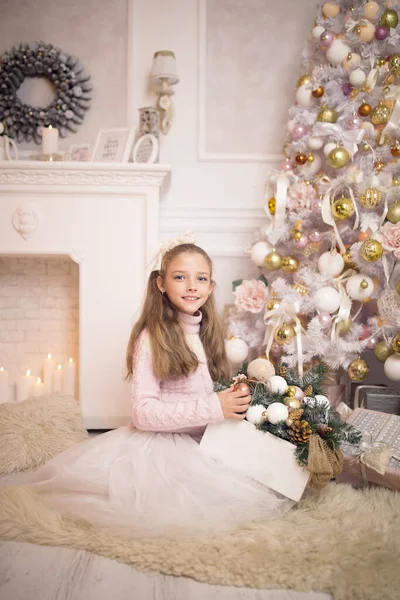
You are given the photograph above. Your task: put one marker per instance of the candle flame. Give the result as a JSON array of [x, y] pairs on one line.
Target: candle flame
[[71, 360], [28, 372], [50, 127], [49, 356], [59, 367], [38, 380], [1, 369]]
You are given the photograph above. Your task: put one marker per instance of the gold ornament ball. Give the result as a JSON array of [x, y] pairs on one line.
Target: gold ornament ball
[[364, 110], [389, 19], [290, 264], [303, 80], [310, 158], [348, 261], [272, 205], [371, 250], [289, 422], [396, 344], [344, 327], [296, 234], [398, 287], [291, 391], [394, 64], [380, 114], [273, 303], [338, 157], [291, 403], [393, 213], [327, 115], [395, 151], [382, 351], [379, 165], [273, 261], [395, 181], [318, 92], [301, 159], [358, 370], [364, 284], [284, 335], [371, 198], [366, 147], [343, 208]]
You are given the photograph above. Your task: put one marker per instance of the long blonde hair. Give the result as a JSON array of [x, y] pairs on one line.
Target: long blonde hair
[[172, 356]]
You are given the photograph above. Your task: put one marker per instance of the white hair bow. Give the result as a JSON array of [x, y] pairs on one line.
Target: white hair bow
[[187, 237]]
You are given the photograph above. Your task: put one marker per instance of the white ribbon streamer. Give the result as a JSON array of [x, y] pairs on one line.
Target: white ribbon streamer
[[350, 138], [277, 186]]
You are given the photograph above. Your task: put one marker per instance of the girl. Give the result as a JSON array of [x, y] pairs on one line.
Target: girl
[[150, 477]]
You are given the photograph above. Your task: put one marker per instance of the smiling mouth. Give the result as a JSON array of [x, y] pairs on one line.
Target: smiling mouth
[[190, 298]]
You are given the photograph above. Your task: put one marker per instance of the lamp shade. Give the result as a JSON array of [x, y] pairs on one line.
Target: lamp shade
[[164, 66]]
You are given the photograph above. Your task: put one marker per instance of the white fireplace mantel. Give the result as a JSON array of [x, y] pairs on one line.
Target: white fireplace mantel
[[105, 216]]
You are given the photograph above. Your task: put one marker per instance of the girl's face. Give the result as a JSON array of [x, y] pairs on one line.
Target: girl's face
[[187, 282]]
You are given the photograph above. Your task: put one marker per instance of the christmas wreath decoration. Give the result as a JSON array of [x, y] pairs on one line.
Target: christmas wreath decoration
[[72, 91], [297, 411]]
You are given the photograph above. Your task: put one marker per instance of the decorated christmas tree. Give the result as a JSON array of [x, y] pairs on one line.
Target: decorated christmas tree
[[328, 287]]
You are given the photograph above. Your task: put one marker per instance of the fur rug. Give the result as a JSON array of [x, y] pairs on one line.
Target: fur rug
[[342, 541]]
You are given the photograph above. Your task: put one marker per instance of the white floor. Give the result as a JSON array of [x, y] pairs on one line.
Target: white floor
[[29, 572]]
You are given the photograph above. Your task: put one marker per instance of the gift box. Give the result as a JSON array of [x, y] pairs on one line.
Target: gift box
[[335, 388], [377, 458], [379, 398], [257, 454]]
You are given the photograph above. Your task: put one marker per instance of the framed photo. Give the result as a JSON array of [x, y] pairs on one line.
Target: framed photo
[[113, 145], [145, 149], [79, 152]]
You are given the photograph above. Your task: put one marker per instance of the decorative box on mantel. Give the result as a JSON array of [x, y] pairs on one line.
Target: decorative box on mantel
[[105, 217]]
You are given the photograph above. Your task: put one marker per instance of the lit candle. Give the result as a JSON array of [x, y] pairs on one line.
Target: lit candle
[[3, 385], [69, 378], [24, 384], [49, 140], [38, 388], [58, 376], [48, 370]]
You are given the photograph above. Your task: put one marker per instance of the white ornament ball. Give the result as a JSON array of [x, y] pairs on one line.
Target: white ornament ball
[[375, 179], [358, 292], [329, 147], [256, 414], [311, 168], [277, 384], [291, 124], [236, 350], [330, 264], [391, 367], [315, 142], [327, 299], [357, 77], [258, 253], [337, 52], [261, 369], [330, 10], [304, 96], [317, 31], [276, 412]]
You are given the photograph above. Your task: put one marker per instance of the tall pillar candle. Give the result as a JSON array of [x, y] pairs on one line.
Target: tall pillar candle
[[3, 385], [49, 140], [38, 388], [48, 370], [69, 377], [24, 385], [58, 377]]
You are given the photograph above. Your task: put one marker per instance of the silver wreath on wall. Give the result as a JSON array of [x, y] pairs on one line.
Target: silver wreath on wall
[[72, 91]]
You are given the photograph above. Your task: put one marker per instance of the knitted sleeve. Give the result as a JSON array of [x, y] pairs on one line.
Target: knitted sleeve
[[150, 413]]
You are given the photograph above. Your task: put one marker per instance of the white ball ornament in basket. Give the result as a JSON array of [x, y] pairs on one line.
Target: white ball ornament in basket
[[337, 52], [391, 367], [261, 369], [357, 77], [236, 350], [360, 287], [327, 299], [330, 263], [276, 412], [277, 384], [258, 253], [256, 414]]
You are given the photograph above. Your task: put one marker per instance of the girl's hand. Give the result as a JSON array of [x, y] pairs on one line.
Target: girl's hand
[[235, 402]]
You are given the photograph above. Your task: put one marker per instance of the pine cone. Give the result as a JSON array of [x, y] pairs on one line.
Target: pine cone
[[283, 371], [300, 432], [323, 429], [296, 414], [308, 391]]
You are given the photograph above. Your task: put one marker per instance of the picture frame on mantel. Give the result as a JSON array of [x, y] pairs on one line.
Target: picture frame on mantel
[[113, 145]]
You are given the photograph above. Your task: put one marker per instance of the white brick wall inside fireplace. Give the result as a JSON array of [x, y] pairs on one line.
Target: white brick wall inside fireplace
[[39, 307]]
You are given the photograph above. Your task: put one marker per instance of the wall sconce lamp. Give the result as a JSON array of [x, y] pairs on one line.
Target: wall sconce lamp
[[163, 75]]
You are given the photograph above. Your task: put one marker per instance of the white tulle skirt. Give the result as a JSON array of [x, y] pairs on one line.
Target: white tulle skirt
[[138, 484]]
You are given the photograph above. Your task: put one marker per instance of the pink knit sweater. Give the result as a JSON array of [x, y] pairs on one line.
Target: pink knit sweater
[[184, 405]]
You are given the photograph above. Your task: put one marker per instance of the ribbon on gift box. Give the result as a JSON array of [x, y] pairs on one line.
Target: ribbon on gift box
[[374, 455]]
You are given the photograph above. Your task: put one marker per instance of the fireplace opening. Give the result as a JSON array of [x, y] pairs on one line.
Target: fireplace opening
[[39, 326]]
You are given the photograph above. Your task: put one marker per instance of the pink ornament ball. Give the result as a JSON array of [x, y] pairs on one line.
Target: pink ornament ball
[[286, 166], [299, 131], [327, 39], [299, 395], [316, 206], [381, 33], [353, 122], [276, 349], [346, 89], [372, 342], [315, 237], [365, 333], [302, 242], [325, 319]]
